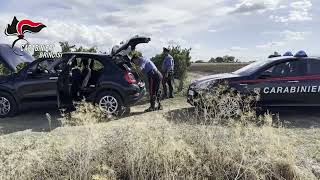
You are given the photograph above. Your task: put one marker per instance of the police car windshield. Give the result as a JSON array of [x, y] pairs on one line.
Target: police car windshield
[[251, 68]]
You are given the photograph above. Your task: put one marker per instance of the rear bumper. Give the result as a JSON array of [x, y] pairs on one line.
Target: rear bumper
[[133, 95]]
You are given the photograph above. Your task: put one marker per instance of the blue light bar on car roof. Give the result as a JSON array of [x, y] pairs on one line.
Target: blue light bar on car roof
[[288, 54], [301, 54]]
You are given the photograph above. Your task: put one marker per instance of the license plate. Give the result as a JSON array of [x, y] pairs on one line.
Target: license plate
[[191, 93]]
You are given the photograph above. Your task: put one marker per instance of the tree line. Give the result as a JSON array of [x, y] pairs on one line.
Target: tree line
[[224, 59]]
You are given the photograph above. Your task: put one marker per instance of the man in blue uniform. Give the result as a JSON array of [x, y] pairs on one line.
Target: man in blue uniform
[[154, 77], [167, 73]]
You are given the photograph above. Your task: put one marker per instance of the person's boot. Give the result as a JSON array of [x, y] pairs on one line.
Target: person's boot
[[150, 109], [171, 95], [164, 96], [160, 107]]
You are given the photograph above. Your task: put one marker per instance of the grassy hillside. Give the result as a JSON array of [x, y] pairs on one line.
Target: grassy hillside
[[215, 68]]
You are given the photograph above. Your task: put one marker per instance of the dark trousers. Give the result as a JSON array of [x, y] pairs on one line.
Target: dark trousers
[[154, 78], [168, 80], [76, 81]]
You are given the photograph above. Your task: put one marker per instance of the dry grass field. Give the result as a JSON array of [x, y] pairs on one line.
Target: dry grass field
[[176, 143]]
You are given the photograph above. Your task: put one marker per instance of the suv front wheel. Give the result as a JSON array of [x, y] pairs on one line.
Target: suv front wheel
[[110, 103], [8, 106]]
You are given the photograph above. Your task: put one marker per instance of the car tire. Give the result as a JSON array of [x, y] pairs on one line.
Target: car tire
[[8, 106], [110, 102]]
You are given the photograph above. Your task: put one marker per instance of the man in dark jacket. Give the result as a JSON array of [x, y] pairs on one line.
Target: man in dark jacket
[[167, 73], [154, 77], [76, 81]]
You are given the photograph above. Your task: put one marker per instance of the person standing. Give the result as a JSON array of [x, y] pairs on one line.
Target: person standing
[[154, 77], [167, 73], [75, 80], [86, 73]]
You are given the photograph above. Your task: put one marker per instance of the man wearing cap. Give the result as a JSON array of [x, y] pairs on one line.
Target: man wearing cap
[[154, 77], [167, 73]]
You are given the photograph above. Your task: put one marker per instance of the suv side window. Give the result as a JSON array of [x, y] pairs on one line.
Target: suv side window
[[287, 69], [97, 65], [313, 67], [90, 72], [42, 67], [94, 64]]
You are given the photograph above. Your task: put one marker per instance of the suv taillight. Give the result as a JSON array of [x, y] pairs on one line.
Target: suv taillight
[[130, 78]]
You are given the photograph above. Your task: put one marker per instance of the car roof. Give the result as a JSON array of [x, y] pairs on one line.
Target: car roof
[[85, 53], [285, 58]]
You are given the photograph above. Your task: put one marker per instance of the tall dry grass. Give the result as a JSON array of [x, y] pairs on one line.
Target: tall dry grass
[[152, 146], [151, 150]]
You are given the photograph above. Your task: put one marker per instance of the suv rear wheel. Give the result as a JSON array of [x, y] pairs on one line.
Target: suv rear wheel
[[110, 103], [8, 106]]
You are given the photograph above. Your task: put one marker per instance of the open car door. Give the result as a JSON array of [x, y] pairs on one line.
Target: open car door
[[65, 100]]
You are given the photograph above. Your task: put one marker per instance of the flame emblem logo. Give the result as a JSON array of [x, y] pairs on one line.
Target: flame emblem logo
[[19, 28]]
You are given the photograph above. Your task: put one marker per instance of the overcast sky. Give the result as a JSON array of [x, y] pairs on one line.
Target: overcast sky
[[247, 29]]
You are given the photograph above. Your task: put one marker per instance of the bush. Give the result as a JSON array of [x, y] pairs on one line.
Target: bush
[[66, 47], [222, 104], [85, 114], [3, 70], [182, 60], [224, 59], [22, 65], [199, 61]]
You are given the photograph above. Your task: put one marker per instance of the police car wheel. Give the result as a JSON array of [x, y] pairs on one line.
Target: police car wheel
[[110, 103], [229, 107], [8, 106]]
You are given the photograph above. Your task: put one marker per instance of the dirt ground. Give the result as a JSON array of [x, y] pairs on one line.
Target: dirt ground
[[36, 120]]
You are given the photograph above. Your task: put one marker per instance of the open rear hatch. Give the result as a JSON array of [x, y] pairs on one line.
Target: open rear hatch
[[126, 47], [121, 56]]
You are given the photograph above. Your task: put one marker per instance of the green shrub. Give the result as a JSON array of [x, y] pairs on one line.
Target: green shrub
[[182, 60], [3, 70], [21, 66]]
